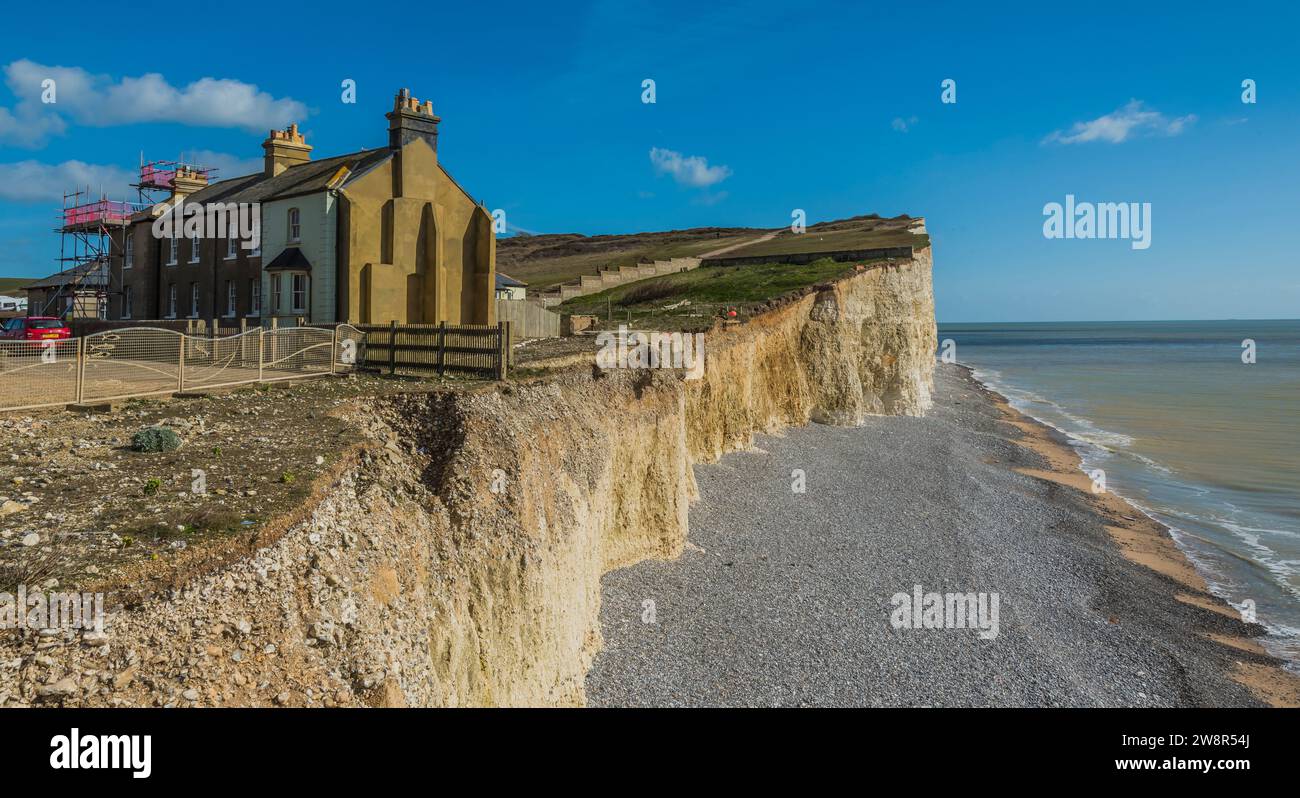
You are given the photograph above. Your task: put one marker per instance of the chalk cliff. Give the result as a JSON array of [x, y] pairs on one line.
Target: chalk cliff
[[456, 559]]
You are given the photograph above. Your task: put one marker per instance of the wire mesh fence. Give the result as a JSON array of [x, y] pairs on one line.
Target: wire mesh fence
[[230, 360], [38, 373], [293, 351], [145, 361], [130, 362], [349, 348]]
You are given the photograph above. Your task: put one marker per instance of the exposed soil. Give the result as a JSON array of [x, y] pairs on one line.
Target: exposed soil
[[82, 510]]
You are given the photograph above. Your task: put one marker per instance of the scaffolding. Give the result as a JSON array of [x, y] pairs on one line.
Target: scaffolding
[[161, 176], [85, 280], [86, 243]]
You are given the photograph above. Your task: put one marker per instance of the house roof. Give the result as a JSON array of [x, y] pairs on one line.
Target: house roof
[[87, 275], [304, 178], [291, 258], [506, 281]]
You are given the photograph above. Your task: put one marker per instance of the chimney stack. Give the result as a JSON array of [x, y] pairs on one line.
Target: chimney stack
[[186, 181], [284, 148], [410, 120]]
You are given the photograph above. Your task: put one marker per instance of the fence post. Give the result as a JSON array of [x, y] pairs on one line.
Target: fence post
[[392, 347], [334, 349], [261, 336], [81, 368], [503, 348], [442, 347], [180, 366]]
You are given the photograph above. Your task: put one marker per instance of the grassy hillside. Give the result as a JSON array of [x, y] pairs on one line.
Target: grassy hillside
[[861, 232], [545, 260], [693, 300], [9, 285]]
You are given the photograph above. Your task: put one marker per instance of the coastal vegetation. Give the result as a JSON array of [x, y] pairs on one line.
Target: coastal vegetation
[[693, 300]]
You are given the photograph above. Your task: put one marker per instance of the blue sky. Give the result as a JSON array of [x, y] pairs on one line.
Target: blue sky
[[832, 108]]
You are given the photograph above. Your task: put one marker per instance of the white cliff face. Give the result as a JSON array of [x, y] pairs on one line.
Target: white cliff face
[[861, 346], [457, 559]]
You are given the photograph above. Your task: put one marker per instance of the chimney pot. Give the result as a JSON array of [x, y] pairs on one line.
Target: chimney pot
[[284, 148], [411, 119]]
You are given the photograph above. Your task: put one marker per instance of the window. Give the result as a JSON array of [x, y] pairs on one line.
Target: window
[[299, 293], [194, 249], [232, 247], [194, 300], [295, 225], [275, 293], [128, 250], [230, 298], [127, 296], [171, 300], [256, 251], [172, 250], [254, 297]]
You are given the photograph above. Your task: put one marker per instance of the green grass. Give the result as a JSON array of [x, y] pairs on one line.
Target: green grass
[[10, 284], [836, 237], [571, 258], [710, 291], [545, 260]]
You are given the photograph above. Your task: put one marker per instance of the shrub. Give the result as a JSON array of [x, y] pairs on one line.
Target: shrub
[[155, 439], [649, 291]]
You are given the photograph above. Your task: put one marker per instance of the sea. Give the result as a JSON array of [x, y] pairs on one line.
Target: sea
[[1197, 423]]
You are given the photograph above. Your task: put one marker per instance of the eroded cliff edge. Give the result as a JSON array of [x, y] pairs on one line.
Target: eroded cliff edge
[[457, 559]]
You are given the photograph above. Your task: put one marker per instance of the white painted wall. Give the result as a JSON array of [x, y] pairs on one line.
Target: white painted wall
[[319, 222]]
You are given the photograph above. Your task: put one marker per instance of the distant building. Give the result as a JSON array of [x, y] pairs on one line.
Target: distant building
[[13, 306], [509, 288], [366, 237], [77, 293]]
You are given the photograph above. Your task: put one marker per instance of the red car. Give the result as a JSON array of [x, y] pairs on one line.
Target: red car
[[35, 328]]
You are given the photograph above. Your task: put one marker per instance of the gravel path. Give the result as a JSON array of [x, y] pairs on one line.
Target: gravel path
[[784, 599]]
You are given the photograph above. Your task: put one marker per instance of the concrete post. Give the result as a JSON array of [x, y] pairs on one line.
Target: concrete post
[[81, 368], [180, 366]]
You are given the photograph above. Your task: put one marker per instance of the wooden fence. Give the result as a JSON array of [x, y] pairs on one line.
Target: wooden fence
[[482, 349], [528, 318]]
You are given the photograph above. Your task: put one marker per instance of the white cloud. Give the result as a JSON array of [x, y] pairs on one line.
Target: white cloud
[[691, 170], [36, 182], [27, 128], [101, 100], [902, 125], [32, 181], [1118, 126], [227, 165]]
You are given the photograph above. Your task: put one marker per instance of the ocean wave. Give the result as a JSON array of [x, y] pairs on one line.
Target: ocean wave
[[1098, 448], [1077, 427]]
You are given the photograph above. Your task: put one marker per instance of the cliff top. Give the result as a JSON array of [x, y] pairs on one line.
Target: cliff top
[[544, 260]]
